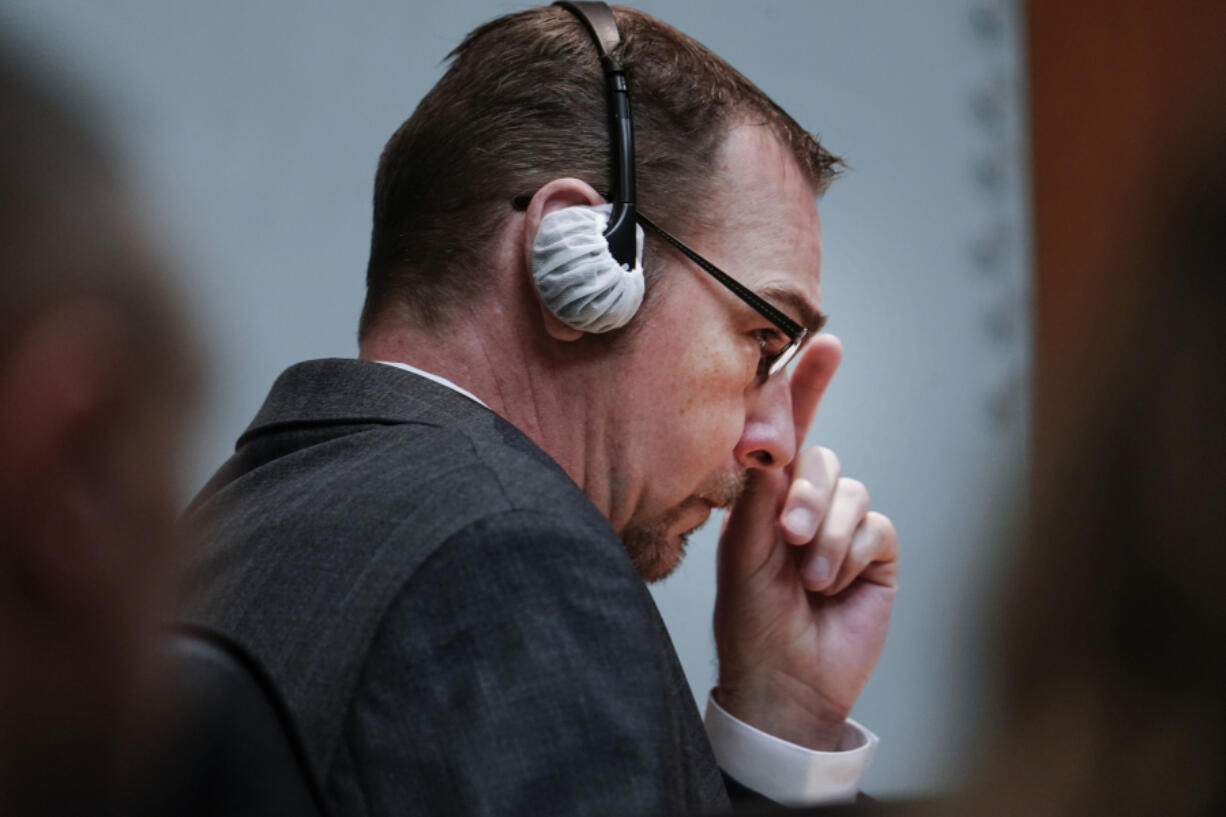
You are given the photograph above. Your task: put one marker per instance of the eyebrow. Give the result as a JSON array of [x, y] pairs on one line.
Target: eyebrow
[[811, 317]]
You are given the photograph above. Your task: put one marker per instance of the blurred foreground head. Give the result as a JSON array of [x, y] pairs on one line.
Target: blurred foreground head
[[95, 379], [1116, 655]]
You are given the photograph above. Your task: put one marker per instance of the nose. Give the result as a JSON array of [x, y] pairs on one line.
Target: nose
[[768, 439]]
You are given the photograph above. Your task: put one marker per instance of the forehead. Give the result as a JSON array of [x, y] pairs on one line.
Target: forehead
[[764, 228]]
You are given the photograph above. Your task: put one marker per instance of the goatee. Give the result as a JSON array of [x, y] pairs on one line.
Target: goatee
[[651, 552]]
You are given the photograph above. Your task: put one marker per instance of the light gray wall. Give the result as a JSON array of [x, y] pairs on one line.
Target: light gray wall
[[254, 128]]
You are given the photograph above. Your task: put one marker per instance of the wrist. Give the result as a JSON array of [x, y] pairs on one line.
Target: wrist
[[801, 716]]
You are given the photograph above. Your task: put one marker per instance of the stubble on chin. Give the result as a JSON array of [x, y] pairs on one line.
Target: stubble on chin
[[654, 556]]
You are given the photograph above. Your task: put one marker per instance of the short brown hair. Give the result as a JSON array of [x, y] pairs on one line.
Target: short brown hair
[[524, 102]]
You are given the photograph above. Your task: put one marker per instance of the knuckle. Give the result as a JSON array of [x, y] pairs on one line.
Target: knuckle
[[812, 461], [882, 524], [833, 466], [855, 489], [834, 541], [803, 490], [884, 535]]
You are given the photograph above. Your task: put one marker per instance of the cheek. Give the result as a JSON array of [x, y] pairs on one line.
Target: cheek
[[707, 417]]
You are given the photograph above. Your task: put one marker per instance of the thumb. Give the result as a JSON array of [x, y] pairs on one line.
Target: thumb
[[751, 526]]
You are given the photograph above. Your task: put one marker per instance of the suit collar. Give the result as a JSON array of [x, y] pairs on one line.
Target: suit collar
[[344, 390]]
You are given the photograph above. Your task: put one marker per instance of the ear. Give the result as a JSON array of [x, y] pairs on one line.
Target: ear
[[557, 194], [59, 387]]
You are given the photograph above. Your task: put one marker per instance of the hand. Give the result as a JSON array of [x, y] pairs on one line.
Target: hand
[[807, 578]]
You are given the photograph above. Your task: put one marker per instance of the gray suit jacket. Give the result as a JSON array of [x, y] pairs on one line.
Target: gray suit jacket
[[455, 627]]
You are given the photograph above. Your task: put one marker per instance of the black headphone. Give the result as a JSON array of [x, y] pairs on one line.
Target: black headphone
[[621, 233]]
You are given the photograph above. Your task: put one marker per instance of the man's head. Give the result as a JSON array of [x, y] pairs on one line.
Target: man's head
[[523, 103], [95, 379], [669, 411]]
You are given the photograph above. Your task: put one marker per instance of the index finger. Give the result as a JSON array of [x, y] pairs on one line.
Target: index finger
[[810, 379]]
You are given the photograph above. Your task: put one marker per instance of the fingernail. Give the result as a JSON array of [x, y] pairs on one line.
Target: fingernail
[[819, 571], [800, 523]]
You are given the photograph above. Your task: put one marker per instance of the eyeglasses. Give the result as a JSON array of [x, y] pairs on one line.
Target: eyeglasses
[[797, 335]]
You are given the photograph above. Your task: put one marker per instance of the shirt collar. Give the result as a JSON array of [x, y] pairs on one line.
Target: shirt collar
[[442, 381]]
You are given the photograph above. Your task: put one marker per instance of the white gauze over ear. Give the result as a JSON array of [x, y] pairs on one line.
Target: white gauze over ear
[[577, 276]]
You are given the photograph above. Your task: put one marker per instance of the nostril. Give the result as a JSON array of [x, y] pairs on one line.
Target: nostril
[[764, 458]]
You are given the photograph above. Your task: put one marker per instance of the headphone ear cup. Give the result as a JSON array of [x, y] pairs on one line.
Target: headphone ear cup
[[577, 277]]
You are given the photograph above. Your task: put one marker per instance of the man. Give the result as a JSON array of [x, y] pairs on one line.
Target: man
[[96, 380], [438, 550]]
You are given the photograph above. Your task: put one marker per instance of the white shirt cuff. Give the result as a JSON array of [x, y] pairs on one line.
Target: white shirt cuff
[[787, 772]]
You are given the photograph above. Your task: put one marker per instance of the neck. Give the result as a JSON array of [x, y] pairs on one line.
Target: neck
[[550, 390]]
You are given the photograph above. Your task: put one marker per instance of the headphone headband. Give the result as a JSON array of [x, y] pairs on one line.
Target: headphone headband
[[598, 19]]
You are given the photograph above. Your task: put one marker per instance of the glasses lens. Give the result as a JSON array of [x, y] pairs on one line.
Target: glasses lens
[[779, 361]]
